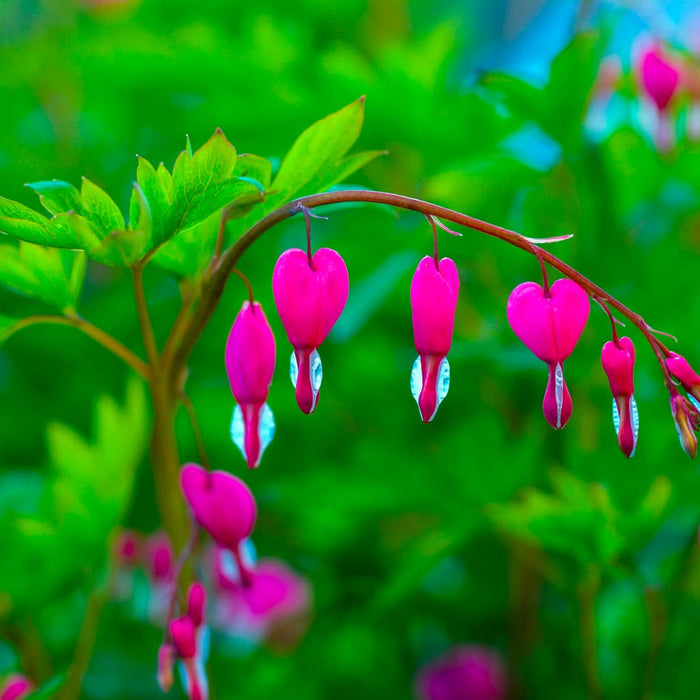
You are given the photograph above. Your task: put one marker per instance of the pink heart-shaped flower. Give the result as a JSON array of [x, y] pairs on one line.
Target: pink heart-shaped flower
[[549, 326], [221, 503], [310, 299]]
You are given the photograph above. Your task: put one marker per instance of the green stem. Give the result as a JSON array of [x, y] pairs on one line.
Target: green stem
[[215, 280], [97, 334], [587, 592], [84, 647], [149, 339]]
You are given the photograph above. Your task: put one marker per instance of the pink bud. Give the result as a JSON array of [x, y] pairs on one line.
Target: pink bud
[[222, 504], [679, 368], [166, 661], [465, 673], [250, 364], [309, 299], [196, 603], [159, 555], [618, 363], [550, 326], [16, 687], [434, 291], [659, 77], [127, 548], [182, 632]]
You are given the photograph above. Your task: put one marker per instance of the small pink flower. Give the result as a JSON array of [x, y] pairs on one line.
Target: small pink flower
[[464, 673], [196, 603], [221, 503], [250, 364], [159, 558], [681, 370], [274, 605], [16, 687], [686, 416], [550, 326], [310, 296], [183, 633], [660, 77], [434, 291], [618, 363], [127, 548]]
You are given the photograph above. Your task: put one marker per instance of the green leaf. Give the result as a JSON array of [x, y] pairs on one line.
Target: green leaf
[[140, 217], [37, 272], [26, 224], [75, 228], [255, 167], [156, 193], [318, 150], [122, 248], [7, 325], [100, 209], [57, 196]]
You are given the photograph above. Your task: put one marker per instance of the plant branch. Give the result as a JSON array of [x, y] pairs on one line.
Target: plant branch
[[215, 280], [97, 334], [149, 339]]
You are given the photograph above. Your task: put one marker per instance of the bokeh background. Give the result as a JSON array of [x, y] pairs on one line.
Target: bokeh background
[[485, 527]]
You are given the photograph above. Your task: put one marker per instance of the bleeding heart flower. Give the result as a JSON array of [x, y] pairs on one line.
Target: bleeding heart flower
[[250, 364], [618, 362], [310, 296], [166, 661], [464, 673], [183, 633], [222, 504], [550, 326], [434, 291]]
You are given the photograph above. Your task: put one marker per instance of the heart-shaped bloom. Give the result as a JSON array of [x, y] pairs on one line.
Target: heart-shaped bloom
[[618, 362], [550, 326], [434, 291], [309, 299], [681, 370], [183, 632], [221, 503], [660, 78], [465, 672], [250, 364]]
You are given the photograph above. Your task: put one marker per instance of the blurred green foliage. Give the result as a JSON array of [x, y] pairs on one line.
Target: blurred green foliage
[[483, 526]]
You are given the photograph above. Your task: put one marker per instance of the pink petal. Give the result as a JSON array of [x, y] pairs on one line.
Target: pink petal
[[659, 78], [250, 355], [433, 303]]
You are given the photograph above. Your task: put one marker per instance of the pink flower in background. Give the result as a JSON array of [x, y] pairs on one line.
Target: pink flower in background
[[550, 326], [310, 294], [274, 606], [16, 687], [617, 358], [250, 364], [464, 673], [221, 503], [166, 661], [659, 77], [434, 291]]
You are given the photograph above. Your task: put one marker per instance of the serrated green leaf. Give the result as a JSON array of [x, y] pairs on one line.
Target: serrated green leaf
[[188, 253], [256, 167], [57, 196], [318, 150], [154, 191], [140, 217], [26, 224], [122, 248], [75, 228], [215, 197], [166, 181], [100, 209], [36, 272]]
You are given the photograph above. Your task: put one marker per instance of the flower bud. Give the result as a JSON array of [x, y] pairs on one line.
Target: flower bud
[[182, 632], [221, 503], [550, 327], [434, 291], [310, 296], [681, 370], [687, 419], [166, 661], [618, 363], [196, 603], [472, 672], [16, 687], [660, 78], [250, 364]]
